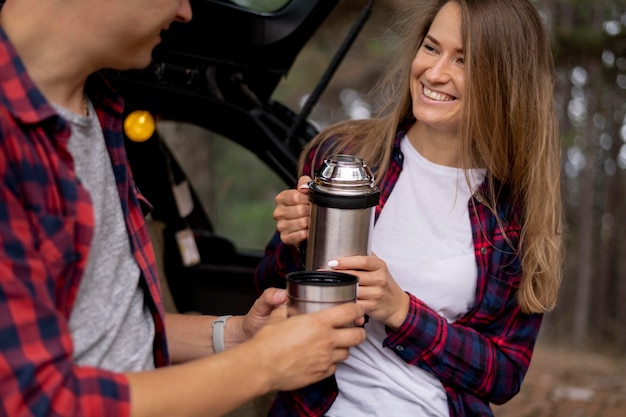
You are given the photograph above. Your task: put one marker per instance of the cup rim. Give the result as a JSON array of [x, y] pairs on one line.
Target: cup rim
[[322, 278]]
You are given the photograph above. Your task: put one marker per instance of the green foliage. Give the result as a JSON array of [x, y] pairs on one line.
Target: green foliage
[[242, 204], [261, 5]]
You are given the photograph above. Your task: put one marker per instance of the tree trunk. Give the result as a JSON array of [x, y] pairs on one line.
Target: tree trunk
[[584, 258]]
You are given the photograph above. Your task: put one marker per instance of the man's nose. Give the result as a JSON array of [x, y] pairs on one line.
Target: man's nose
[[184, 13]]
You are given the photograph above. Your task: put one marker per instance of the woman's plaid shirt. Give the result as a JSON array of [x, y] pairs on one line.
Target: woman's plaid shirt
[[482, 357]]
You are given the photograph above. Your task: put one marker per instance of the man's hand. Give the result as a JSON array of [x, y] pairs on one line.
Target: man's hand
[[271, 299], [306, 348]]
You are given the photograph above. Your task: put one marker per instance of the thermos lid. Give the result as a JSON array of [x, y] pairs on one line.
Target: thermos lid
[[344, 181]]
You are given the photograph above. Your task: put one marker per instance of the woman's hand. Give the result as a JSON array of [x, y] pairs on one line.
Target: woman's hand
[[378, 292], [292, 213]]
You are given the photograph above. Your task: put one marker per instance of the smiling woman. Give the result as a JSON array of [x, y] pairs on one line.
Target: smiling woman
[[467, 246]]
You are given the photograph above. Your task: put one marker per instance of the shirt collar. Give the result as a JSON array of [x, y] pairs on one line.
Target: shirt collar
[[20, 95], [102, 94], [23, 99]]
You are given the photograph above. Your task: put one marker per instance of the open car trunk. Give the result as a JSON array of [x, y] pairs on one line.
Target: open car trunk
[[219, 72]]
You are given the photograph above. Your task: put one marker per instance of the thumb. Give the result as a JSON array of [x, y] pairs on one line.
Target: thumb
[[269, 300], [303, 184], [277, 315], [274, 296]]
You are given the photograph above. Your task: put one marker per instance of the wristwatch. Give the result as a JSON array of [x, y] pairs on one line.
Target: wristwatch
[[218, 333]]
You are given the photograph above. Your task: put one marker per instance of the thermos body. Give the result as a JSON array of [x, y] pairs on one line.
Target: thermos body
[[343, 199], [336, 233]]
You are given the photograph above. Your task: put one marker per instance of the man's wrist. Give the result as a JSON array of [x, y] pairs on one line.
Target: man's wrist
[[219, 326]]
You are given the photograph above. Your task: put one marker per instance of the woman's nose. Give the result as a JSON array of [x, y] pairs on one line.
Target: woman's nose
[[438, 71]]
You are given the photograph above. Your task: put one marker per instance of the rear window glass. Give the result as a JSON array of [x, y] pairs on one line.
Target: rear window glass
[[235, 188], [267, 6]]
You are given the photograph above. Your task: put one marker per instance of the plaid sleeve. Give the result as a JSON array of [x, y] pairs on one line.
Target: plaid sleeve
[[37, 373], [278, 261], [489, 363], [487, 351]]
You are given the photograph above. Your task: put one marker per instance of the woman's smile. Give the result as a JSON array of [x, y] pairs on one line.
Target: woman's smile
[[436, 96]]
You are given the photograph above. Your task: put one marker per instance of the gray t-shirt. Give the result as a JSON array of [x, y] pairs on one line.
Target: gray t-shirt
[[111, 324]]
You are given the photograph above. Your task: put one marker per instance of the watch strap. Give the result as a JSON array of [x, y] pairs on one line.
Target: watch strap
[[218, 333]]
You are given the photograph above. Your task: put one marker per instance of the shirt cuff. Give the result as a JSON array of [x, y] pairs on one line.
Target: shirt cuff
[[420, 334]]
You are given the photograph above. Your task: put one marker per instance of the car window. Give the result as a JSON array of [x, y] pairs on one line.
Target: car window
[[267, 6], [235, 188]]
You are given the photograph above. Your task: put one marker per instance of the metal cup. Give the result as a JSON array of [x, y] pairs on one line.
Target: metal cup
[[312, 291]]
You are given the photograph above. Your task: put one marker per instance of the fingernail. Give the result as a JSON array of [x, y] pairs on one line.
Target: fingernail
[[332, 264], [304, 186]]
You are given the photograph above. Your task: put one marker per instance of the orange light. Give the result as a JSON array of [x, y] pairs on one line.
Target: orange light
[[139, 126]]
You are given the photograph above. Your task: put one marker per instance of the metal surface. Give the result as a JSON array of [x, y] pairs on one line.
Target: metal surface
[[312, 291], [337, 233], [343, 198], [344, 175]]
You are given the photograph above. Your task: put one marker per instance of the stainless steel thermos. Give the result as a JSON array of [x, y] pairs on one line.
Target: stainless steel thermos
[[343, 199]]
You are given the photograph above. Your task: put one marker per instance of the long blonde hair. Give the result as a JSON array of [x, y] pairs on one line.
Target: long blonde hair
[[508, 124]]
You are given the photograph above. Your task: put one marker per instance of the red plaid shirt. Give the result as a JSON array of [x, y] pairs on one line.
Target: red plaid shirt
[[46, 226], [481, 358]]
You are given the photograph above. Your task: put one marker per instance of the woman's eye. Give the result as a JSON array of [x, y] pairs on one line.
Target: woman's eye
[[429, 48]]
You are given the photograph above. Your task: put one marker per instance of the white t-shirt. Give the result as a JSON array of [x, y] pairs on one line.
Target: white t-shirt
[[424, 236]]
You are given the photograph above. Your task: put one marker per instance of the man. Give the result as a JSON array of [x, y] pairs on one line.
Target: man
[[82, 329]]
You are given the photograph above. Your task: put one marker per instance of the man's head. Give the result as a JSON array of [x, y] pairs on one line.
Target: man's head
[[128, 30], [119, 34]]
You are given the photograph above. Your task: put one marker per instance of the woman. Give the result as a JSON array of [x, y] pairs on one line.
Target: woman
[[467, 245]]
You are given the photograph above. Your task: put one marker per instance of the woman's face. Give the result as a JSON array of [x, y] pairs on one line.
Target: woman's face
[[437, 72]]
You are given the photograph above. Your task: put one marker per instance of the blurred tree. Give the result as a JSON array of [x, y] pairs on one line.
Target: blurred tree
[[590, 50]]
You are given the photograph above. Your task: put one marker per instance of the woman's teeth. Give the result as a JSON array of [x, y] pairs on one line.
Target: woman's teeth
[[436, 96]]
